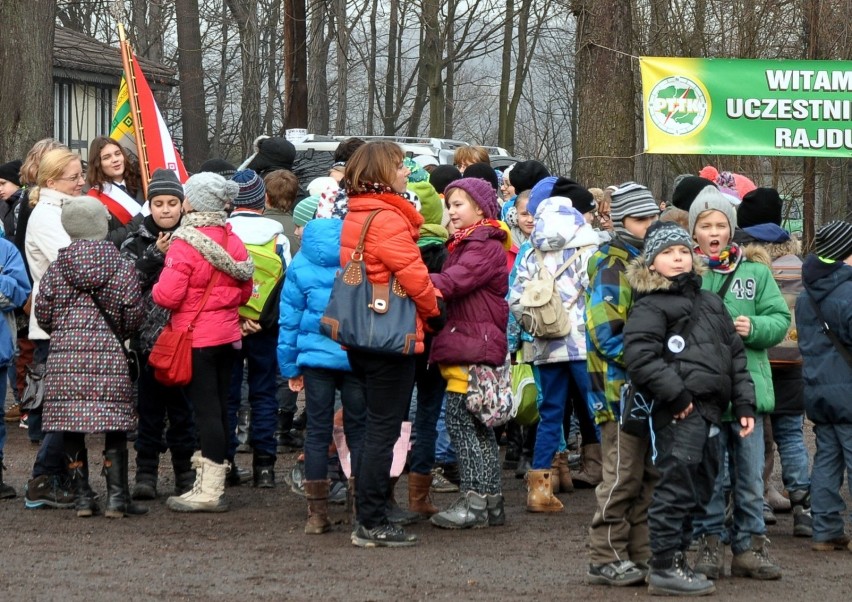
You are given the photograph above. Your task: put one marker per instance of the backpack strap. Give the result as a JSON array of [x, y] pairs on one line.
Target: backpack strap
[[573, 259]]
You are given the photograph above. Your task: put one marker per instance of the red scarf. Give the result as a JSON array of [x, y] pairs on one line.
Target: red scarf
[[460, 235]]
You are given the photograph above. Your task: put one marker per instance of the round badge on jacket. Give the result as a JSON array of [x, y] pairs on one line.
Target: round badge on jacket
[[676, 344]]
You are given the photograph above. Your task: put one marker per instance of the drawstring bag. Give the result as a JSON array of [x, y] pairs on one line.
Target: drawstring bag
[[489, 393], [526, 393], [400, 450]]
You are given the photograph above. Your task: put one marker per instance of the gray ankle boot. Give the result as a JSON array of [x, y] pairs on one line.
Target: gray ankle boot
[[469, 511], [674, 577], [496, 512]]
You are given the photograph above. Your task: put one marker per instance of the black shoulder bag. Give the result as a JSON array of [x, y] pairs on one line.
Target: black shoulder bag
[[134, 366], [841, 348]]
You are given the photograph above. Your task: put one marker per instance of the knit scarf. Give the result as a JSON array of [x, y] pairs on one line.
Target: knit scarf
[[726, 262], [460, 235], [622, 233], [370, 188], [210, 250]]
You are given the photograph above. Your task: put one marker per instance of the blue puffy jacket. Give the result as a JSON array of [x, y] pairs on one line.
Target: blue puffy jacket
[[307, 288]]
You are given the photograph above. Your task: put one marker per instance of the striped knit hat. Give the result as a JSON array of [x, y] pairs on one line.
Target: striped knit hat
[[834, 241], [662, 235], [252, 193], [305, 210], [165, 182], [633, 200]]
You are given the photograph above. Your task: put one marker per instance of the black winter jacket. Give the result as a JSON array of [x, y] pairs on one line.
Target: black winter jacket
[[711, 369]]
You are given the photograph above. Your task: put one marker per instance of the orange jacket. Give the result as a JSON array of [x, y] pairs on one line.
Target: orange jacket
[[391, 248]]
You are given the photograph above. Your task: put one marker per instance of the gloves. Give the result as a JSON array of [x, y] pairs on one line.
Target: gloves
[[436, 323]]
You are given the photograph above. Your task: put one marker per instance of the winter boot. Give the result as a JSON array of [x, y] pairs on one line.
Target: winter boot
[[555, 484], [84, 497], [540, 496], [591, 472], [560, 464], [7, 492], [514, 444], [316, 493], [674, 577], [264, 471], [208, 491], [710, 559], [524, 466], [803, 524], [396, 515], [286, 438], [776, 501], [351, 510], [419, 500], [243, 430], [147, 466], [496, 511], [469, 511], [236, 476], [755, 563], [119, 503], [184, 471]]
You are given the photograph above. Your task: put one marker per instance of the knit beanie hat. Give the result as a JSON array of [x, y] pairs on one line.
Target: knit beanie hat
[[165, 182], [415, 172], [662, 235], [834, 241], [482, 193], [442, 175], [541, 191], [323, 185], [581, 198], [431, 207], [484, 171], [305, 210], [11, 172], [711, 199], [252, 194], [760, 206], [526, 174], [687, 189], [272, 153], [632, 200], [207, 191], [424, 161], [219, 166], [85, 218]]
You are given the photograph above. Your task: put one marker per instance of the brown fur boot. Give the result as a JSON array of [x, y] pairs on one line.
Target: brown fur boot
[[316, 493], [419, 500], [540, 496]]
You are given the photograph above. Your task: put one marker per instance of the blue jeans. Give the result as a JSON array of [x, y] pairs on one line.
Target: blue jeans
[[745, 463], [788, 433], [833, 457], [320, 387], [555, 395], [430, 393], [259, 350], [444, 452]]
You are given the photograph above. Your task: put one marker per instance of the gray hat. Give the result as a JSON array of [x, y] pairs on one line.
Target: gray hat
[[207, 191], [834, 241], [85, 218], [711, 199], [165, 182], [662, 235]]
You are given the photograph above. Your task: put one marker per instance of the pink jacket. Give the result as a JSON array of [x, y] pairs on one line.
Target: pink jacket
[[182, 284]]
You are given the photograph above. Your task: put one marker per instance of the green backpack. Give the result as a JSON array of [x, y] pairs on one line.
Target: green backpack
[[268, 270]]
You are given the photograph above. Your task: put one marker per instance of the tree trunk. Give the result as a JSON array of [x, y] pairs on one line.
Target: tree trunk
[[271, 61], [26, 91], [450, 80], [811, 38], [371, 71], [605, 128], [343, 33], [196, 147], [505, 76], [221, 88], [388, 117], [521, 70], [295, 64], [318, 109], [245, 14]]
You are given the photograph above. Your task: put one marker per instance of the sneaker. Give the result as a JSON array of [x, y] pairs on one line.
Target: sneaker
[[468, 511], [710, 560], [832, 545], [13, 414], [23, 423], [440, 483], [756, 563], [383, 536], [46, 491], [678, 579], [769, 517], [295, 478], [618, 573], [236, 476], [803, 522], [337, 492]]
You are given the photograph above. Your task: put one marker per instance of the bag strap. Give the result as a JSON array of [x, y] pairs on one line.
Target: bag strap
[[841, 348], [210, 284], [726, 283], [359, 248], [573, 259], [112, 325]]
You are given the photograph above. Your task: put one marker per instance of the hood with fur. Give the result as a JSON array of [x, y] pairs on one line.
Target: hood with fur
[[643, 280]]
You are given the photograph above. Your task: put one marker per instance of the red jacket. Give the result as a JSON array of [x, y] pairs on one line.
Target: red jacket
[[182, 284], [391, 248]]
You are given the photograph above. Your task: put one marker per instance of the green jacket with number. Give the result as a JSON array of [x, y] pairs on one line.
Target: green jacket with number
[[753, 293]]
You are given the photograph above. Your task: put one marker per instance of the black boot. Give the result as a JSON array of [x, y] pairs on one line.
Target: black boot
[[243, 430], [264, 471], [672, 576], [235, 475], [514, 444], [184, 471], [397, 515], [84, 497], [285, 437], [147, 466], [119, 503], [7, 492]]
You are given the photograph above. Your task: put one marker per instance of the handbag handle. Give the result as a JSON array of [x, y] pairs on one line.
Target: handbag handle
[[359, 248]]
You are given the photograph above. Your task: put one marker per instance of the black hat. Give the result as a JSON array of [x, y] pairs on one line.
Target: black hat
[[687, 189], [527, 174], [442, 175], [484, 171], [834, 241], [581, 199], [219, 166], [165, 181], [760, 206], [11, 172], [272, 153]]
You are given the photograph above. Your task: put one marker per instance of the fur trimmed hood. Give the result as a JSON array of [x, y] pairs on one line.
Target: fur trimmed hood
[[757, 253], [643, 280]]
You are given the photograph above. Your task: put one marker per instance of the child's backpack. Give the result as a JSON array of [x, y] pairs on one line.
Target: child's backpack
[[544, 315], [787, 271], [268, 271]]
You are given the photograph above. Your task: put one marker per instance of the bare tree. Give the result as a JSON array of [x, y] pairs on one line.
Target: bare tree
[[295, 64], [245, 14], [319, 42], [196, 147]]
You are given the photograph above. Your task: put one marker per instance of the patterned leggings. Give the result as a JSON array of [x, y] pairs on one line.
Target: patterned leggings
[[476, 448]]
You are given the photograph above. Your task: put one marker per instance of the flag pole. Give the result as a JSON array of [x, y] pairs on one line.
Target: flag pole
[[130, 78]]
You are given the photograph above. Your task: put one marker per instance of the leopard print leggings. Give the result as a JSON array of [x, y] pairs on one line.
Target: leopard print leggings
[[476, 448]]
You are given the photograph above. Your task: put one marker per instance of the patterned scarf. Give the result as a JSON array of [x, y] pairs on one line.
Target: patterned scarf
[[369, 188], [210, 250], [460, 235], [726, 262]]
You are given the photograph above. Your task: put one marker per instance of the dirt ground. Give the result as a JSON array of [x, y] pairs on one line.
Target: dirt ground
[[258, 551]]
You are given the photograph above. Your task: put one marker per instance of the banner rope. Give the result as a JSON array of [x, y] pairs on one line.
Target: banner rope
[[633, 56], [609, 157]]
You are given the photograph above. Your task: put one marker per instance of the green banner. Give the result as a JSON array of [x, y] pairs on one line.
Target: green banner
[[747, 107]]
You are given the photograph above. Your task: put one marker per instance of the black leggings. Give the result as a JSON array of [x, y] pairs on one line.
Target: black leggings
[[208, 394], [76, 442]]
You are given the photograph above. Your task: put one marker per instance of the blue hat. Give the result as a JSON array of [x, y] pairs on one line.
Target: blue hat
[[252, 194]]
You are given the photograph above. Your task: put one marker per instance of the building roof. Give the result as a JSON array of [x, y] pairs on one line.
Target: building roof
[[78, 57]]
